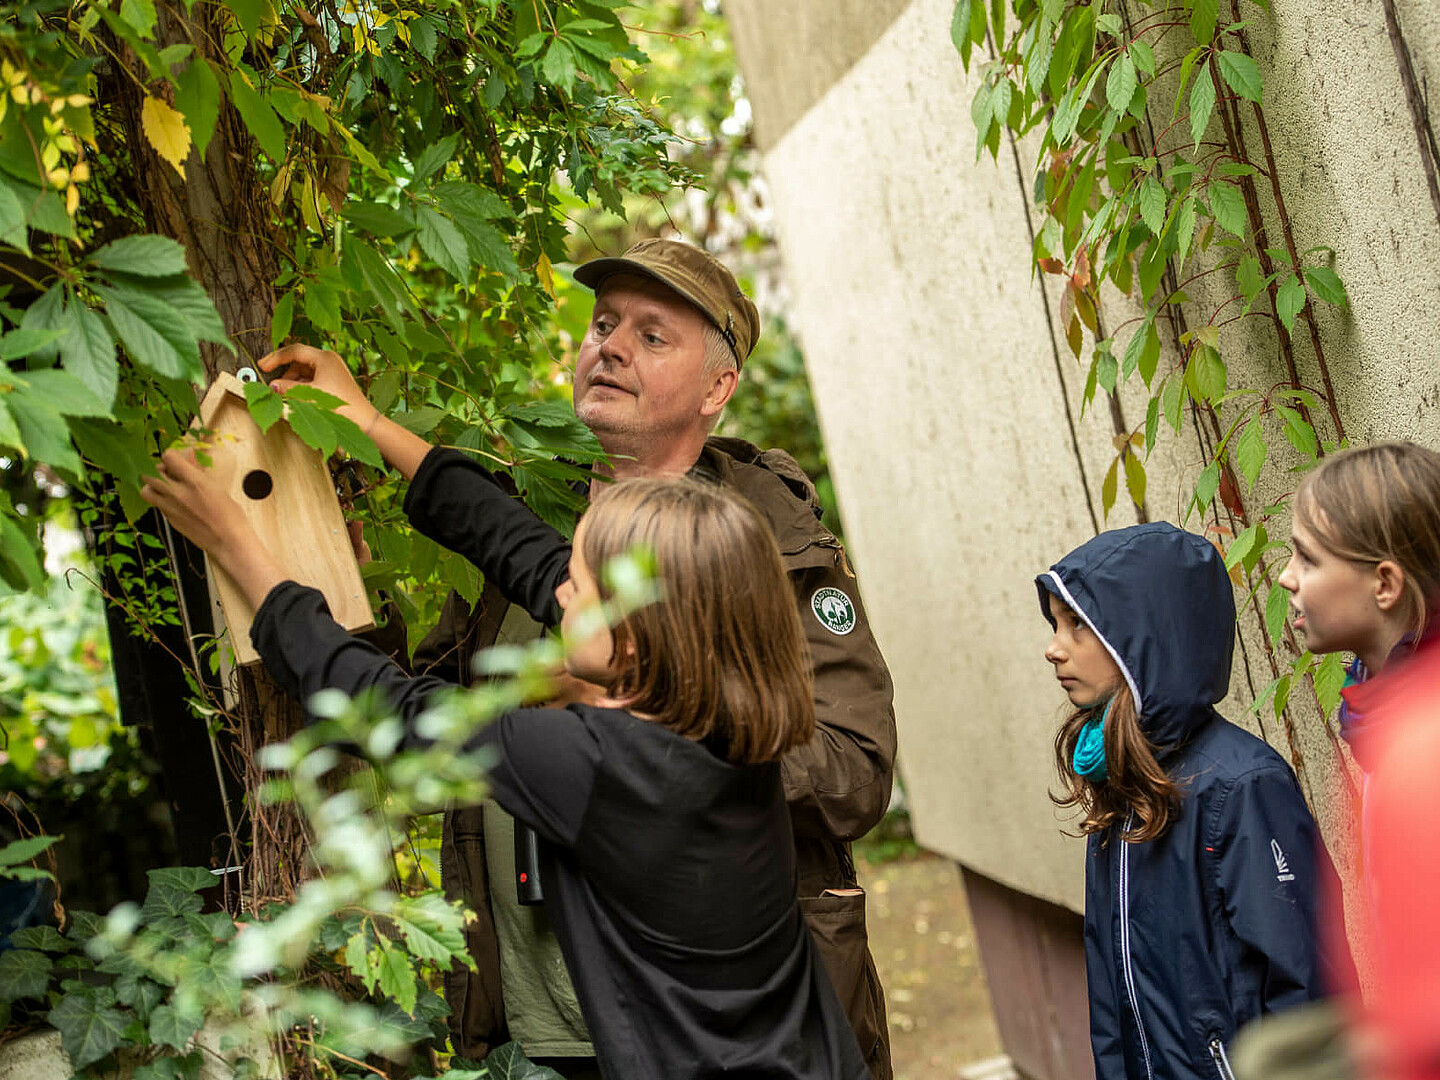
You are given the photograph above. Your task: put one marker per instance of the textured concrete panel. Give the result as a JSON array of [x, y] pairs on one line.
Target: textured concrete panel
[[791, 53]]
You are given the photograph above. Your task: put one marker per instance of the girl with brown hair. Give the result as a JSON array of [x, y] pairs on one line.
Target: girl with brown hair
[[666, 850], [1203, 865]]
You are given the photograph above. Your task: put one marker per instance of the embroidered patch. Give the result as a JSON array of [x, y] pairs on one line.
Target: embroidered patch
[[834, 610]]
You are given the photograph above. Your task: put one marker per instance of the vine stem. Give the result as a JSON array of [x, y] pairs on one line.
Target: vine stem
[[1424, 133], [1289, 233]]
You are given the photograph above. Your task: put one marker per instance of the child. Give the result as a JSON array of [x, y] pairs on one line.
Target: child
[[1364, 578], [1203, 864], [667, 857]]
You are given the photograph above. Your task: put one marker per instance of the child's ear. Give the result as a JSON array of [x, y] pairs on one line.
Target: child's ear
[[1389, 585]]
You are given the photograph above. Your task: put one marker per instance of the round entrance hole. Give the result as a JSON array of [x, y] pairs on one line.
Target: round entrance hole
[[257, 484]]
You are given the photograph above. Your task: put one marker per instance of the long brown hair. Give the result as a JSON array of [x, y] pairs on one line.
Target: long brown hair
[[722, 653], [1134, 779], [1374, 503]]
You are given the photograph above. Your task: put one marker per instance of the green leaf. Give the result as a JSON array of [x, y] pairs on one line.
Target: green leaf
[[1250, 450], [43, 432], [1152, 422], [1277, 606], [45, 938], [142, 256], [283, 319], [154, 334], [266, 406], [1143, 56], [12, 219], [435, 156], [43, 320], [1206, 373], [1242, 546], [89, 1026], [249, 14], [1184, 229], [442, 243], [430, 942], [24, 974], [20, 568], [170, 1027], [1282, 690], [9, 430], [1202, 104], [1172, 400], [1299, 433], [378, 219], [1241, 74], [1289, 300], [139, 15], [65, 393], [1247, 277], [1134, 477], [259, 117], [509, 1062], [558, 67], [960, 28], [1108, 488], [197, 96], [313, 426], [1227, 203], [1326, 285], [395, 975], [87, 352], [1152, 204], [1120, 86], [355, 442], [1206, 485], [357, 958], [1329, 679], [1202, 20]]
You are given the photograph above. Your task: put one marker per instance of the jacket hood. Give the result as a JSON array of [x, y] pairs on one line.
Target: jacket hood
[[1160, 601]]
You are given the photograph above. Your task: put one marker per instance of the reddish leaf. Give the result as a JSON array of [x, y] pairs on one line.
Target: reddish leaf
[[1052, 266], [1229, 493]]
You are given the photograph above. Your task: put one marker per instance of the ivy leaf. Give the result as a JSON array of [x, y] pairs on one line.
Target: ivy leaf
[[197, 96], [89, 1026], [1227, 203], [259, 117], [1134, 477], [166, 131], [1152, 204], [45, 938], [1326, 285], [1250, 451], [431, 942], [142, 256], [509, 1062], [1241, 74], [1289, 300], [266, 406], [1202, 103], [1120, 85], [1329, 679], [171, 1027], [23, 974], [1108, 488], [1202, 20], [1277, 606]]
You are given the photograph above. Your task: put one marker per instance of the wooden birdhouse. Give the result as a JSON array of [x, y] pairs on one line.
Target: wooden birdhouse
[[288, 495]]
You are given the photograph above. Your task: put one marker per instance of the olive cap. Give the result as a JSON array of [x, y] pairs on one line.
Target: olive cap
[[696, 275]]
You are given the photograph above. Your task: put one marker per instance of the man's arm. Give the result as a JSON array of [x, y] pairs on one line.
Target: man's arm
[[838, 784]]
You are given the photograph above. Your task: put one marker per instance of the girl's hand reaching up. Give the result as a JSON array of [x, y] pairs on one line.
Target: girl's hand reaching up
[[194, 500]]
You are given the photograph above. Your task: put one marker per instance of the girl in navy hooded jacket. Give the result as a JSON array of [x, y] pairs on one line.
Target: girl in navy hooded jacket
[[1203, 865]]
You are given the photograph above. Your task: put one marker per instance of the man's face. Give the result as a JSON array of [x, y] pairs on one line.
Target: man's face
[[641, 371]]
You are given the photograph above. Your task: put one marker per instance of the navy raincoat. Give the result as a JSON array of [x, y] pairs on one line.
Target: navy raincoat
[[1189, 936]]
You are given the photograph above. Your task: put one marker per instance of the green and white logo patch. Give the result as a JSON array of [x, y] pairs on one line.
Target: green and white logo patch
[[834, 610]]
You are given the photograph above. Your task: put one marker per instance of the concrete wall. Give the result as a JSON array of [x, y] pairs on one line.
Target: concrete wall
[[952, 419]]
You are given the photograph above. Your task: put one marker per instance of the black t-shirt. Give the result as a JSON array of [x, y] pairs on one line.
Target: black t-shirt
[[669, 872]]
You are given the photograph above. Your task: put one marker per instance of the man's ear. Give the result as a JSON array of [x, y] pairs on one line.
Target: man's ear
[[1389, 581], [722, 386]]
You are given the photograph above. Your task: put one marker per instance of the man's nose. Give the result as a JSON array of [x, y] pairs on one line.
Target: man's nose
[[615, 349]]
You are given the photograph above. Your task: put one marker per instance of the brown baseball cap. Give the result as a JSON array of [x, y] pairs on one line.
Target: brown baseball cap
[[697, 276]]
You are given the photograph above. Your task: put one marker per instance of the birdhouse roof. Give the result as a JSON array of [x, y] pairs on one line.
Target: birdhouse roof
[[226, 387]]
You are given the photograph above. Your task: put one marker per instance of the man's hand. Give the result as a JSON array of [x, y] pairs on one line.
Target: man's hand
[[195, 501], [325, 371]]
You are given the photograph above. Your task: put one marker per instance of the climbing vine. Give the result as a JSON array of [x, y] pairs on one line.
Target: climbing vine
[[1156, 177]]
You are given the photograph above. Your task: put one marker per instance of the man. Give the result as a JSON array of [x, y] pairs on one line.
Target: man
[[662, 356]]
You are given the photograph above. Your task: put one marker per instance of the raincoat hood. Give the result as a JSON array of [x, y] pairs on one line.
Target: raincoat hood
[[1160, 601]]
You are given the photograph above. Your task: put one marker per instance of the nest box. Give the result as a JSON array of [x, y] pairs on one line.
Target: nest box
[[288, 495]]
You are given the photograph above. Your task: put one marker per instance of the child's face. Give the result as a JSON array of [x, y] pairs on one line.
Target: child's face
[[1332, 599], [583, 623], [1087, 673]]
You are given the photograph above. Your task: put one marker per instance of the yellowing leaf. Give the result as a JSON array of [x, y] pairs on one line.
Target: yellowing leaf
[[544, 273], [167, 131]]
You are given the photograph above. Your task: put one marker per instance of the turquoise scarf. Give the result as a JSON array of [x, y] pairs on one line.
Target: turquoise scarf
[[1089, 757]]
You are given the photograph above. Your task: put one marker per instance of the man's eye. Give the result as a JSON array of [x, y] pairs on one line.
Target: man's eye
[[654, 339]]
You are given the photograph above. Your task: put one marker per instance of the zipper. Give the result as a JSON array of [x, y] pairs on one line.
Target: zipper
[[1125, 964], [1222, 1063]]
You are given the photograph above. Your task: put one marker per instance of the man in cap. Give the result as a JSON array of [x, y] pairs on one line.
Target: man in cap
[[669, 334]]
